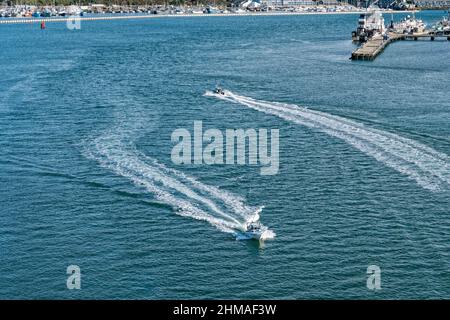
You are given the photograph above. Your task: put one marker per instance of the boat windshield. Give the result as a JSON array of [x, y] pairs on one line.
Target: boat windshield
[[253, 226]]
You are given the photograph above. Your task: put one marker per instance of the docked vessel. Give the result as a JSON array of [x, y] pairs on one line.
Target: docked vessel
[[443, 26], [74, 11], [46, 13], [409, 25], [369, 25]]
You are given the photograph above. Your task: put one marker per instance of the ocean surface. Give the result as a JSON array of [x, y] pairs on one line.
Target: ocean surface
[[86, 176]]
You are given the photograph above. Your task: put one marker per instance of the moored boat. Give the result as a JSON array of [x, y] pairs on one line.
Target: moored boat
[[408, 25], [443, 26], [369, 25]]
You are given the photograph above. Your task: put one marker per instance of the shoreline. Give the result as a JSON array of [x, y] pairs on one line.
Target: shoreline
[[101, 17]]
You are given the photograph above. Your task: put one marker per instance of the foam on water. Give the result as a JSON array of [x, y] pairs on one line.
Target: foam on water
[[428, 167], [190, 197]]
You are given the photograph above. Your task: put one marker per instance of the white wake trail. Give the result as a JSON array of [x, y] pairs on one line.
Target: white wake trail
[[428, 167], [235, 202], [190, 197]]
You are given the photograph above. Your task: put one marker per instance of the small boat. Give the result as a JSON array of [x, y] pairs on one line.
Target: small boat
[[219, 90], [212, 10], [74, 11], [46, 13], [253, 229], [443, 26]]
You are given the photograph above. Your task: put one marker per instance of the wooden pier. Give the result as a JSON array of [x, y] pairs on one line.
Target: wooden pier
[[373, 47]]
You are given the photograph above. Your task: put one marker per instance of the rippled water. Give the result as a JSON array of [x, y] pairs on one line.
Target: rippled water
[[86, 119]]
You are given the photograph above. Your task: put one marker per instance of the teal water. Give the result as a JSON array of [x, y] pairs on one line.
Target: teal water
[[86, 177]]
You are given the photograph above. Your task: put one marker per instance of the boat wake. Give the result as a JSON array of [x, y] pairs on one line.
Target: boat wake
[[188, 196], [428, 167]]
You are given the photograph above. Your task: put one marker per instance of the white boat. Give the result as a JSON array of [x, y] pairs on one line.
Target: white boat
[[409, 25], [443, 26], [239, 10], [253, 229], [74, 11], [219, 91], [369, 25]]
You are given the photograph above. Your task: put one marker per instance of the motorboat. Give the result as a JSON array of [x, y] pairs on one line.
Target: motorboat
[[253, 229], [219, 90], [409, 25], [443, 26], [46, 13]]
